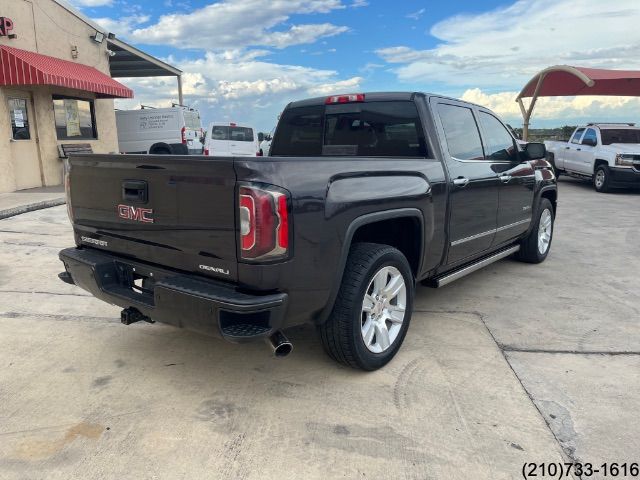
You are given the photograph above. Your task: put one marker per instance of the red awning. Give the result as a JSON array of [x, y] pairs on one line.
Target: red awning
[[564, 80], [20, 67]]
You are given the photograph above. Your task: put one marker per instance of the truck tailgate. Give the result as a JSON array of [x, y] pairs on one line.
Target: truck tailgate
[[175, 211]]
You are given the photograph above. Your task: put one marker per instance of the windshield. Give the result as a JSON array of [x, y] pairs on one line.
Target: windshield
[[192, 120], [620, 135]]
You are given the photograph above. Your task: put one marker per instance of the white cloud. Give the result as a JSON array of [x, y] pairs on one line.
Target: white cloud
[[91, 3], [239, 85], [549, 110], [416, 15], [123, 25], [240, 23], [504, 48], [359, 3]]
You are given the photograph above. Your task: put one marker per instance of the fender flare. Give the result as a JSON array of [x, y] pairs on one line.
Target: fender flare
[[346, 246]]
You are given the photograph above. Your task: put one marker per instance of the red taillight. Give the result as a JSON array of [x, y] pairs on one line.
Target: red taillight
[[258, 154], [264, 223], [184, 135], [349, 98], [206, 152], [283, 226]]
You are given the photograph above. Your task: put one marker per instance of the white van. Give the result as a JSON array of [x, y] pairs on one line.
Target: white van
[[230, 140], [176, 130]]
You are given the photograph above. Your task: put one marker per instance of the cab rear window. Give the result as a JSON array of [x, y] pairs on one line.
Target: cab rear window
[[371, 129]]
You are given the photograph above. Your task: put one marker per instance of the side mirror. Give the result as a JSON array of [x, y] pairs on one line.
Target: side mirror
[[591, 142], [535, 151], [260, 136]]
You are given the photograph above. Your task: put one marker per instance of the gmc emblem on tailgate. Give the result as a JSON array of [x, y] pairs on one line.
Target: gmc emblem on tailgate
[[137, 214]]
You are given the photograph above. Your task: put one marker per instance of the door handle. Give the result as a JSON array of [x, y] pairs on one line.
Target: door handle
[[461, 182], [578, 149], [505, 178], [567, 148]]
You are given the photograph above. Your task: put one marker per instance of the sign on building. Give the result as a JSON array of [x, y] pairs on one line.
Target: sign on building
[[6, 26]]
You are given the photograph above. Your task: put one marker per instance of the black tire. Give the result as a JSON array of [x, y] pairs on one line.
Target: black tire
[[341, 334], [529, 251], [602, 184], [160, 151]]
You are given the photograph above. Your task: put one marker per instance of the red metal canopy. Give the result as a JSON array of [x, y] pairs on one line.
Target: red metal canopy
[[20, 67], [564, 80]]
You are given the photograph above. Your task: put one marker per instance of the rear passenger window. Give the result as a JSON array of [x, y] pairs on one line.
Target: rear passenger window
[[461, 132], [374, 129], [498, 142]]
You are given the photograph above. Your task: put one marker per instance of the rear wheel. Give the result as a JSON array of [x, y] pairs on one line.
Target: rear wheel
[[535, 247], [601, 179], [372, 312]]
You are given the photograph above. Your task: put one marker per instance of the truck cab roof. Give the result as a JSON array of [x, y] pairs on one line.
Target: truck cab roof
[[374, 97]]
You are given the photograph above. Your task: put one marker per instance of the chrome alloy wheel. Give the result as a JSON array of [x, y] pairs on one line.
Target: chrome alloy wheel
[[600, 178], [383, 309], [545, 229]]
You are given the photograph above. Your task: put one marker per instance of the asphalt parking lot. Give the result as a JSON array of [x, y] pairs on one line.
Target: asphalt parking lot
[[516, 363]]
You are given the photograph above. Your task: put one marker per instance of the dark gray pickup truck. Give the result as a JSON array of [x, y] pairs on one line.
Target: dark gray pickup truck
[[363, 196]]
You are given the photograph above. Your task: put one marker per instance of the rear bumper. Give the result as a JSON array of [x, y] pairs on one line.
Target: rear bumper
[[186, 301], [624, 177]]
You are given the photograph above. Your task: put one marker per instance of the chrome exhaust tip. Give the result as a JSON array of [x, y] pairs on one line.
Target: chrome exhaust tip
[[280, 344]]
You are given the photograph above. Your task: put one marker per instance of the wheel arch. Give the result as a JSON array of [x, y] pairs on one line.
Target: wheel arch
[[360, 230], [160, 146], [598, 162]]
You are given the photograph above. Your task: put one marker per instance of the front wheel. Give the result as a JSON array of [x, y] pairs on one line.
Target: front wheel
[[601, 179], [534, 248], [372, 312]]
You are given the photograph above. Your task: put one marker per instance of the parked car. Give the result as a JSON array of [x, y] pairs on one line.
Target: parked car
[[230, 140], [265, 142], [160, 131], [606, 153], [363, 195]]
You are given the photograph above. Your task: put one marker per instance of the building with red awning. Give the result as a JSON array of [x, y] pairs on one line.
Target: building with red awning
[[57, 88]]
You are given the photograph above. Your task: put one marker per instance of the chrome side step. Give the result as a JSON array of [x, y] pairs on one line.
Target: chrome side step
[[464, 271]]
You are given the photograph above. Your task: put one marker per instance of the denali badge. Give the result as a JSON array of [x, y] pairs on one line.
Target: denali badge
[[214, 269], [95, 241], [138, 214]]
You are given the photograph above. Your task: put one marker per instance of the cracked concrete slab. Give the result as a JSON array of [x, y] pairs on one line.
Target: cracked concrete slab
[[591, 402], [93, 398]]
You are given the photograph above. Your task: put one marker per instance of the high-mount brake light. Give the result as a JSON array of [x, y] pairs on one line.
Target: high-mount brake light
[[264, 223], [349, 98]]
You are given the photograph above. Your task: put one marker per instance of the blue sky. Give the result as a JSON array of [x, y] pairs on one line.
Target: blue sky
[[245, 59]]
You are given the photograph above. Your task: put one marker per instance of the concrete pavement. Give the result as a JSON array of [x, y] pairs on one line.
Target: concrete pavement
[[516, 363], [24, 201]]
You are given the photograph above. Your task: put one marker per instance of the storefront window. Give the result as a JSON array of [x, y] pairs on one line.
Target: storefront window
[[75, 118], [19, 119]]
